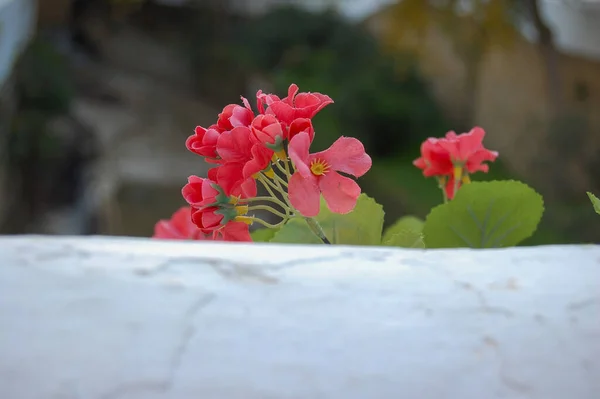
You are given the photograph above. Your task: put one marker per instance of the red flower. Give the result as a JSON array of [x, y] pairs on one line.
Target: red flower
[[263, 99], [467, 150], [233, 231], [179, 227], [434, 160], [267, 129], [204, 142], [231, 178], [296, 105], [440, 157], [318, 173], [200, 192], [208, 219], [300, 125], [235, 145], [234, 115]]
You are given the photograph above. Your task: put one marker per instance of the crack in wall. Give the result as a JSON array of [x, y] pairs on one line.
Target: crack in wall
[[166, 384]]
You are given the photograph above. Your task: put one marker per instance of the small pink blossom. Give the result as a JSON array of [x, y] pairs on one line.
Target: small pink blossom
[[318, 174]]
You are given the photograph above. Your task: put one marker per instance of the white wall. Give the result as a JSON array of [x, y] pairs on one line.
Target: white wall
[[120, 318]]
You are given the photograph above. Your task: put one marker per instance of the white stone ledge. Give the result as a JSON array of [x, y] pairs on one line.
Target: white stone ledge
[[120, 318]]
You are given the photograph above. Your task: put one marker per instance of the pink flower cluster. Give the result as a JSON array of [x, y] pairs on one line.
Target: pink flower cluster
[[452, 158], [245, 147]]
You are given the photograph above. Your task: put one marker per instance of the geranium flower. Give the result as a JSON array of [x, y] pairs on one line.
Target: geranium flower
[[233, 231], [204, 142], [318, 173], [296, 105], [179, 227], [266, 129], [234, 115], [467, 150], [441, 157]]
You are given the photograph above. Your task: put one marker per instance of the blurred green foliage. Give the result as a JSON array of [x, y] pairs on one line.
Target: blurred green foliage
[[43, 78], [45, 88], [380, 99]]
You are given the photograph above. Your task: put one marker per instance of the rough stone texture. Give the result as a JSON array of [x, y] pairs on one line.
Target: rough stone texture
[[107, 318]]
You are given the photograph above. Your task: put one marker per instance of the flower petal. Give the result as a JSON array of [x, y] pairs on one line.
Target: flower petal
[[235, 231], [340, 192], [298, 153], [347, 155], [304, 195]]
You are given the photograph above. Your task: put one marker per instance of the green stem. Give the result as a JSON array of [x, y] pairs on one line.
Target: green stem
[[266, 186], [284, 194], [269, 209], [278, 179], [442, 187], [281, 168], [316, 228], [287, 168], [268, 199], [267, 225], [265, 180]]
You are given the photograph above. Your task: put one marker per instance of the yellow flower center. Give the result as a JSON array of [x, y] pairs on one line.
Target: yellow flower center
[[318, 167]]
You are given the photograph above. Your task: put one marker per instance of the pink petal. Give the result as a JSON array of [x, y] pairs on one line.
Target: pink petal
[[165, 230], [192, 191], [469, 143], [292, 91], [298, 153], [340, 192], [347, 155], [284, 112], [304, 195], [248, 188], [235, 231]]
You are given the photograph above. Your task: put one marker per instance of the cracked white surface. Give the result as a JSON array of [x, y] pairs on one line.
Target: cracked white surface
[[120, 318]]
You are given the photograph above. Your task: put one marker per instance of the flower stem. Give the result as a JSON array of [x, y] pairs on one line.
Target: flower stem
[[267, 225], [442, 186], [316, 228], [281, 168], [284, 195], [269, 209], [280, 180], [268, 199], [287, 168], [266, 181]]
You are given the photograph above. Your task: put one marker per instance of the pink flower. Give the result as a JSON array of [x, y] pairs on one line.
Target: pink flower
[[300, 125], [231, 178], [467, 150], [266, 129], [233, 231], [200, 192], [297, 105], [179, 227], [204, 142], [434, 160], [234, 115], [318, 173], [439, 157]]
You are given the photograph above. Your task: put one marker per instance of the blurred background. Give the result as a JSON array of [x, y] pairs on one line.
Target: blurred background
[[98, 97]]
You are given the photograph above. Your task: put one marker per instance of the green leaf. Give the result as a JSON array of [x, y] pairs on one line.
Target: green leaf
[[411, 223], [485, 215], [405, 239], [595, 202], [263, 235], [296, 231], [362, 226]]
